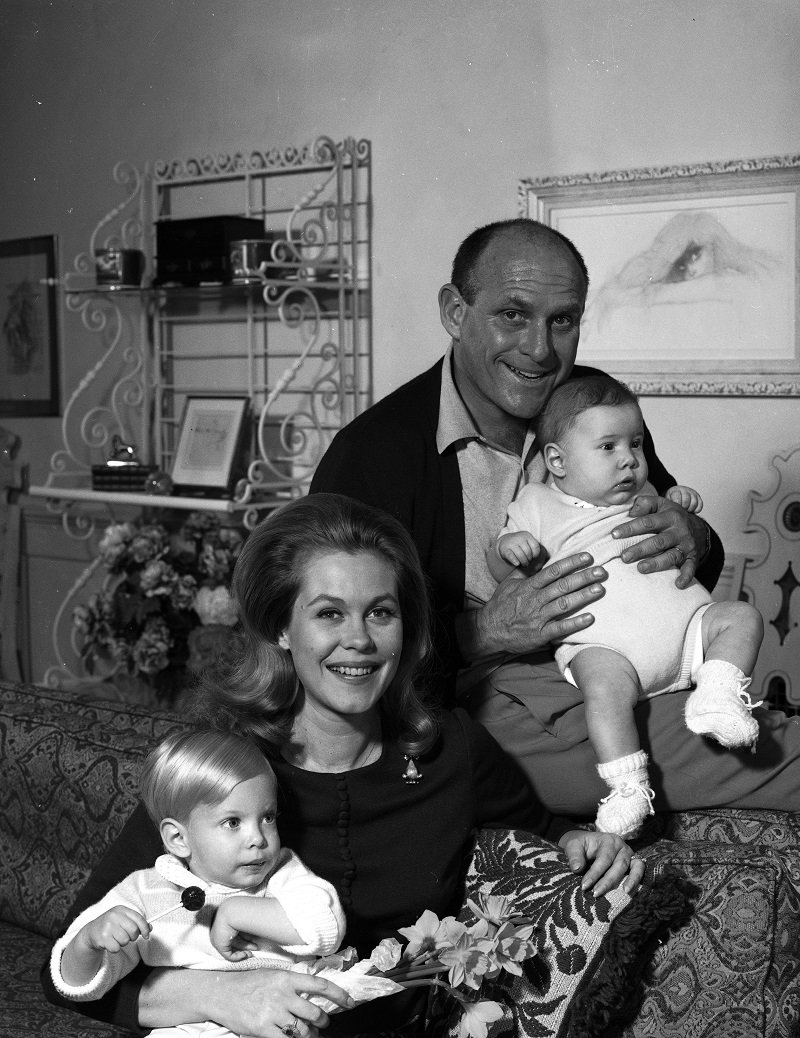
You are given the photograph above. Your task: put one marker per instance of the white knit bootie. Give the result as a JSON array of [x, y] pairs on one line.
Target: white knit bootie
[[630, 800], [720, 706]]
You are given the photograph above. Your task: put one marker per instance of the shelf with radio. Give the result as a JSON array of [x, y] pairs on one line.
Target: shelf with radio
[[228, 278], [225, 308]]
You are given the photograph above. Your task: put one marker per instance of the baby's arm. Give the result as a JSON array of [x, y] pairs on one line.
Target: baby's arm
[[108, 933], [686, 497], [250, 916], [511, 551], [301, 912]]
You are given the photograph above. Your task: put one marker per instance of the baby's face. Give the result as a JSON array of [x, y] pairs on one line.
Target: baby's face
[[603, 455], [236, 842]]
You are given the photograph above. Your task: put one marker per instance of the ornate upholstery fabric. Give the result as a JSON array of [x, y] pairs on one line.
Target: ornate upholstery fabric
[[734, 969], [591, 949], [68, 781], [24, 1012]]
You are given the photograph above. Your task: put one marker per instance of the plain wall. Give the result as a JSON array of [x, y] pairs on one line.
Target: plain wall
[[461, 99]]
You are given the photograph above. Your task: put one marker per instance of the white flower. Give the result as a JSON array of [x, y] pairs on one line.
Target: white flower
[[215, 606], [114, 542], [476, 1016]]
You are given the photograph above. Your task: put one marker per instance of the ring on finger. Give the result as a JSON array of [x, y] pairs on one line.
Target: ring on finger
[[680, 556], [290, 1030]]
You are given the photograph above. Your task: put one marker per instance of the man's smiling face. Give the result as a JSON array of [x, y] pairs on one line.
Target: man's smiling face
[[517, 340]]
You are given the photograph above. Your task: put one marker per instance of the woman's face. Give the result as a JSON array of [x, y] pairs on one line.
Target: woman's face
[[345, 633]]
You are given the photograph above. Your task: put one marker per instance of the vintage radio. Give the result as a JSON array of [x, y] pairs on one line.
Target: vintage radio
[[197, 250]]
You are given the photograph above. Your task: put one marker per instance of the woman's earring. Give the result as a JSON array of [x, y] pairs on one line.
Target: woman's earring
[[412, 775]]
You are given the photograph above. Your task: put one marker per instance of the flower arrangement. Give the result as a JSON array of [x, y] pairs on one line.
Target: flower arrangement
[[470, 955], [159, 587]]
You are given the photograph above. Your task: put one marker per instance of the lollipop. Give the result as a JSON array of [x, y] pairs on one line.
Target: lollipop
[[192, 899]]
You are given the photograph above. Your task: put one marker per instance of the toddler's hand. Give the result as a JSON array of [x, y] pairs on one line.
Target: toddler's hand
[[518, 548], [115, 928], [230, 942], [686, 498]]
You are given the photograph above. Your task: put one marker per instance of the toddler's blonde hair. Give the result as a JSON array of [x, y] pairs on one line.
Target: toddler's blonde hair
[[197, 767]]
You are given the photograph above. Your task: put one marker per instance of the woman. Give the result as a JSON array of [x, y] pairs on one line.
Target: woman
[[380, 795]]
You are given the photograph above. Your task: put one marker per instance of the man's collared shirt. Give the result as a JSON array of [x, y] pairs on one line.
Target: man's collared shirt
[[491, 477]]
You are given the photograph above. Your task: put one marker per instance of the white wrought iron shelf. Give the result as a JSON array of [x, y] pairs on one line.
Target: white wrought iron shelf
[[121, 497], [328, 287], [328, 295], [299, 344]]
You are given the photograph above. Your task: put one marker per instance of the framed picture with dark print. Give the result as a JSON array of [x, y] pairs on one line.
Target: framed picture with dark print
[[693, 272], [29, 327], [208, 453]]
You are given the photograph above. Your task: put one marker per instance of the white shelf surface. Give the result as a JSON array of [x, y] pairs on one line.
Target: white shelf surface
[[194, 504]]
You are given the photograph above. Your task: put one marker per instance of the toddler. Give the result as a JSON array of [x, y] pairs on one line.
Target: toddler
[[226, 895], [649, 636]]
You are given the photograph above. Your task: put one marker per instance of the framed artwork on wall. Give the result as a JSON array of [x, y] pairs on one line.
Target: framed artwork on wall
[[29, 327], [210, 443], [694, 272]]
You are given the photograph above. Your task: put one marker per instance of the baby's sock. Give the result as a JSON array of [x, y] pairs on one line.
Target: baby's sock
[[720, 706], [629, 803]]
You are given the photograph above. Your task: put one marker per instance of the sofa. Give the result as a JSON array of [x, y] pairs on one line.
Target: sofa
[[709, 946]]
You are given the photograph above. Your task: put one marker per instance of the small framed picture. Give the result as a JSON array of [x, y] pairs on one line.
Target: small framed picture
[[29, 343], [210, 443]]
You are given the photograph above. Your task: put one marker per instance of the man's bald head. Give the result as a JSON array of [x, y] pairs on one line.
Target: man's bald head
[[469, 254]]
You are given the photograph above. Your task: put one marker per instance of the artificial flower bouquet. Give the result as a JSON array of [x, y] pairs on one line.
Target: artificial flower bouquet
[[446, 954], [159, 587]]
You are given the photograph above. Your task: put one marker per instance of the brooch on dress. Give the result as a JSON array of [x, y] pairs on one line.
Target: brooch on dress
[[412, 775]]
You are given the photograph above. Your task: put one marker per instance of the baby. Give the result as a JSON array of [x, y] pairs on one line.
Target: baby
[[213, 797], [649, 637]]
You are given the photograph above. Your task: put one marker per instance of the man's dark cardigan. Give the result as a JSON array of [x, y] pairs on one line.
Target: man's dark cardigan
[[387, 457]]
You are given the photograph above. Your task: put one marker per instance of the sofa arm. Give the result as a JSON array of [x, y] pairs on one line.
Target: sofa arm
[[586, 977], [69, 777], [734, 967]]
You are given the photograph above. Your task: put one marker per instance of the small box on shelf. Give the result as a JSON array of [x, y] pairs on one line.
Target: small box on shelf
[[122, 478]]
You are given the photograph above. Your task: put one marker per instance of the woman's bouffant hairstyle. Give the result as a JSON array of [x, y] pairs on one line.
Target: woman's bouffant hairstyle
[[568, 401], [196, 767], [253, 692]]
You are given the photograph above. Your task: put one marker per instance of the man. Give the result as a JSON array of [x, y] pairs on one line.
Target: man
[[446, 454]]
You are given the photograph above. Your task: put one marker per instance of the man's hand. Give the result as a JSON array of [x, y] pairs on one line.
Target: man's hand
[[526, 613], [679, 538]]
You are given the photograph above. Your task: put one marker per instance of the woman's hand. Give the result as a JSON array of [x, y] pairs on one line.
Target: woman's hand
[[606, 859], [678, 538], [262, 1003]]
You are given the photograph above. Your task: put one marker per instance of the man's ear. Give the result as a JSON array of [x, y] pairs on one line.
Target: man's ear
[[173, 836], [554, 459], [452, 309]]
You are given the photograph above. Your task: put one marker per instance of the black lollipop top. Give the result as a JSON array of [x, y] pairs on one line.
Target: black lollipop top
[[193, 899]]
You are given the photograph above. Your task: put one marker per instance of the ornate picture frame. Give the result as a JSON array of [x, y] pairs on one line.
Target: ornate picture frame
[[694, 272], [209, 445], [29, 374]]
